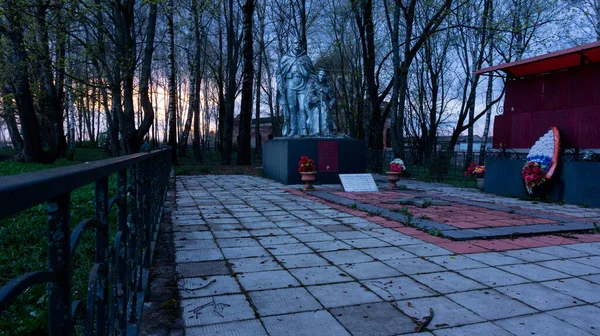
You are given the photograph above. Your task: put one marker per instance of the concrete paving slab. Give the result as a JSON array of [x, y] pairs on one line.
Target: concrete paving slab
[[539, 297], [350, 235], [302, 229], [283, 301], [494, 258], [447, 282], [540, 324], [588, 260], [388, 253], [304, 324], [248, 327], [398, 288], [193, 244], [237, 242], [182, 256], [328, 246], [456, 263], [287, 249], [202, 268], [343, 294], [257, 264], [534, 272], [577, 288], [208, 286], [313, 237], [583, 317], [244, 252], [370, 270], [216, 309], [277, 240], [561, 251], [267, 232], [589, 248], [446, 313], [486, 328], [366, 243], [320, 275], [267, 280], [301, 260], [592, 278], [491, 304], [529, 255], [346, 257], [426, 250], [493, 277], [412, 266], [570, 267], [373, 319]]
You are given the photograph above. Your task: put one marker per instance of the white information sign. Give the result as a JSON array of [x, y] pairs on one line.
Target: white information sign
[[358, 182]]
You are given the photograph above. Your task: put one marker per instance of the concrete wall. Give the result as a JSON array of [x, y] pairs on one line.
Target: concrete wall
[[573, 182]]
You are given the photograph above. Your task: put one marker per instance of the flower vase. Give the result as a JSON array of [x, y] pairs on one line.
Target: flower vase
[[480, 182], [393, 177], [308, 178]]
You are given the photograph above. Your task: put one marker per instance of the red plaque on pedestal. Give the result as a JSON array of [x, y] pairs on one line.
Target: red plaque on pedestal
[[327, 161]]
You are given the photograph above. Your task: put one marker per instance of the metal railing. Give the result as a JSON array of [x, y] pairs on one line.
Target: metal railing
[[119, 276]]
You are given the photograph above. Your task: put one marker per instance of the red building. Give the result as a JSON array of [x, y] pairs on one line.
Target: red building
[[558, 89]]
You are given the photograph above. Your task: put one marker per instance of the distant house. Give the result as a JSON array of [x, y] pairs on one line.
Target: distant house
[[266, 129], [461, 144], [442, 141]]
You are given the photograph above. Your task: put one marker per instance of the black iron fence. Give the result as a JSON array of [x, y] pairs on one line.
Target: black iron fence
[[119, 276], [439, 166]]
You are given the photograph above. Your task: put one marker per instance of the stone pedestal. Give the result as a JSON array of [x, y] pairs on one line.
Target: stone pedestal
[[332, 156]]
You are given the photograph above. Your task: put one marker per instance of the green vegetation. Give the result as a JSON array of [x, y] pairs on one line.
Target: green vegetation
[[596, 228], [23, 247], [354, 206], [432, 231], [211, 165], [408, 216]]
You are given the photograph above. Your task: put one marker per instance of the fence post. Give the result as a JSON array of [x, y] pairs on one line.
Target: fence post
[[59, 261], [101, 253]]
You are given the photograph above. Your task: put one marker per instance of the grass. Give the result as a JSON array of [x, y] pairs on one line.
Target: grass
[[211, 165], [23, 247]]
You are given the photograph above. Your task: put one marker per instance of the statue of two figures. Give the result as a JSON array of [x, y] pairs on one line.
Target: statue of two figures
[[306, 99]]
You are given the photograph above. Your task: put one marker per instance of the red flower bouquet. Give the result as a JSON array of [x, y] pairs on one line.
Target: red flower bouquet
[[533, 174], [475, 170], [306, 165]]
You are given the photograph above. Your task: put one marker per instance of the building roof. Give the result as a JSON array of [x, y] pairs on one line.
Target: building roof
[[558, 60]]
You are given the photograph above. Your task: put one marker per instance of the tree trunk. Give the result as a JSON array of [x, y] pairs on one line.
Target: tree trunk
[[488, 115], [172, 84], [11, 122], [30, 127], [244, 131], [183, 139], [261, 46], [48, 99], [231, 86], [198, 73], [136, 140]]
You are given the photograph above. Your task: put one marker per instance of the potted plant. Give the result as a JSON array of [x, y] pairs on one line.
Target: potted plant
[[393, 175], [478, 172], [306, 167]]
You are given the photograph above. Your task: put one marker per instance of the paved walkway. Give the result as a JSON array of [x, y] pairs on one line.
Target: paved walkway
[[256, 259]]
